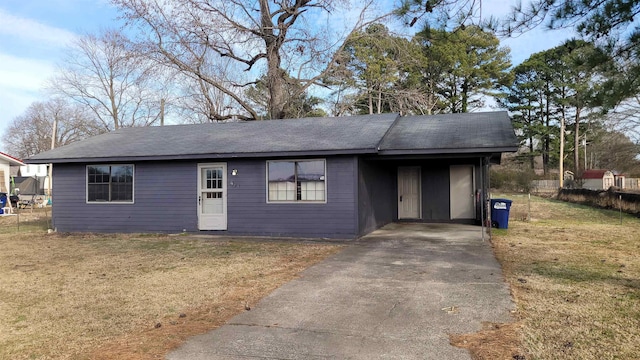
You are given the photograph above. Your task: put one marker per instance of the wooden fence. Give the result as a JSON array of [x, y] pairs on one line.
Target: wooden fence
[[606, 199], [545, 185], [553, 185]]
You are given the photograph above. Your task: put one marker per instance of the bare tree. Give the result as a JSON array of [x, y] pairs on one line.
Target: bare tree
[[104, 73], [31, 132], [284, 41], [626, 118], [196, 100]]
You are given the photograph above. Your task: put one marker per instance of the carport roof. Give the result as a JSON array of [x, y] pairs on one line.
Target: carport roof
[[451, 133], [365, 134]]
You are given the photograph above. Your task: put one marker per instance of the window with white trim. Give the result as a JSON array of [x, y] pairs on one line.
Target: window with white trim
[[110, 183], [296, 181]]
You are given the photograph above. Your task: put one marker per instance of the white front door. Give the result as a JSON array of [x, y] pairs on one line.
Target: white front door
[[212, 196], [461, 193], [409, 192]]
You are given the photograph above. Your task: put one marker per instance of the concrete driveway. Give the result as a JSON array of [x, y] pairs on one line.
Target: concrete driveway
[[395, 294]]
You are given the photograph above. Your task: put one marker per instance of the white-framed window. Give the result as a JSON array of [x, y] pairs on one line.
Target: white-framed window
[[296, 181], [110, 183]]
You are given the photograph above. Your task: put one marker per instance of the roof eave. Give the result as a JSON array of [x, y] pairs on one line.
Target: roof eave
[[11, 160], [274, 154], [479, 150]]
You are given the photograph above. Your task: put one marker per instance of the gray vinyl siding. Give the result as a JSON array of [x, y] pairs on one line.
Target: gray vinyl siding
[[376, 194], [250, 214], [165, 201]]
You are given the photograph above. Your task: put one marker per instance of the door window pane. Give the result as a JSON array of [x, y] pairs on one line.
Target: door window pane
[[212, 178]]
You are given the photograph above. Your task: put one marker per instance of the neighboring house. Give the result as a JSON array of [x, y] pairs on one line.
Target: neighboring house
[[619, 179], [597, 179], [312, 177], [39, 173], [7, 162]]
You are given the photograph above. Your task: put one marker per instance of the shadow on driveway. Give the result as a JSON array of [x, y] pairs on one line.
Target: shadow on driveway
[[394, 294]]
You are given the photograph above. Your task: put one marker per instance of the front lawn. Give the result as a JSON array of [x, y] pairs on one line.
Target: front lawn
[[574, 272], [129, 296]]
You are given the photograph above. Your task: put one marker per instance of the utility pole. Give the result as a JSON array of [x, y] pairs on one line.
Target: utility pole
[[584, 143], [53, 145]]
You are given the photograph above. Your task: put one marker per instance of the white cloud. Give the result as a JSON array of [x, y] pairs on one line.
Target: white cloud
[[28, 54], [21, 83], [23, 74], [31, 30]]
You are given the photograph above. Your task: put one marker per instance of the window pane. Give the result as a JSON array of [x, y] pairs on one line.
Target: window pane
[[281, 171], [281, 180], [122, 174], [311, 180], [122, 192], [281, 191], [312, 191], [98, 192], [310, 170], [98, 174]]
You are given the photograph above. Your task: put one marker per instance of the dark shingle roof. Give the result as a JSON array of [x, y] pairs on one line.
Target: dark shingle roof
[[451, 133], [383, 134], [356, 134]]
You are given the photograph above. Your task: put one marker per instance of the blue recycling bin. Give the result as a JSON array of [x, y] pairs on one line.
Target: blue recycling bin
[[500, 213], [3, 202]]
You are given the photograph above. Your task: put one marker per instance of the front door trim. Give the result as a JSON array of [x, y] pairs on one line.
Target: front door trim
[[212, 213]]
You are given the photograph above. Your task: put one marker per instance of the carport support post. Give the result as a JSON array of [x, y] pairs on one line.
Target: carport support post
[[482, 196], [487, 186]]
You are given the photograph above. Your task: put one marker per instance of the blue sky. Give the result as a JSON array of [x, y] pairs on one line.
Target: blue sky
[[33, 34]]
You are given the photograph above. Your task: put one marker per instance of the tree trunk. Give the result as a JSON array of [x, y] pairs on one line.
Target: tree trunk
[[275, 74], [465, 95], [276, 85], [561, 165], [547, 140], [576, 144], [532, 162], [114, 106]]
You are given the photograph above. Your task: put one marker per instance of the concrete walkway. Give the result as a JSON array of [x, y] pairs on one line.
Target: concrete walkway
[[395, 294]]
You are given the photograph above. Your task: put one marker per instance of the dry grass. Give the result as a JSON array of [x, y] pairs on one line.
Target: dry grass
[[128, 296], [494, 341], [574, 272]]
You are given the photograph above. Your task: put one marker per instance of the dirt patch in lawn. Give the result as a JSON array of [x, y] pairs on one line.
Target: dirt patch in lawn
[[130, 296], [574, 273], [494, 341]]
